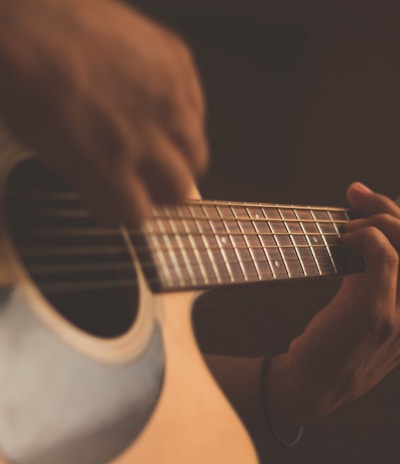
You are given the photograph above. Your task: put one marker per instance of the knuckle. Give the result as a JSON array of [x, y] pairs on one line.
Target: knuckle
[[372, 235], [380, 247], [180, 47], [201, 160], [185, 52], [390, 256], [385, 327], [382, 219], [194, 148]]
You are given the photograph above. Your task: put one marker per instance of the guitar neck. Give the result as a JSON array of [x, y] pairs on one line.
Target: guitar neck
[[203, 244]]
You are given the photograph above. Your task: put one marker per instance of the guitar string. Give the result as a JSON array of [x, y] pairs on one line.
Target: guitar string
[[190, 283], [69, 195], [119, 266], [60, 287], [70, 231], [95, 233], [187, 284], [41, 250], [165, 214], [75, 214]]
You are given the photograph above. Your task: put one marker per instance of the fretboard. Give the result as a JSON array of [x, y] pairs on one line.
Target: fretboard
[[207, 243]]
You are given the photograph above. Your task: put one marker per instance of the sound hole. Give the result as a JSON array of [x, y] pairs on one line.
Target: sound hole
[[84, 270]]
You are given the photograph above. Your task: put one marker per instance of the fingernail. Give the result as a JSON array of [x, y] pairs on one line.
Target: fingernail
[[362, 187]]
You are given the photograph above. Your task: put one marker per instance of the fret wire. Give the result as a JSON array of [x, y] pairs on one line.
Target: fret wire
[[93, 285], [275, 235], [65, 231], [183, 251], [273, 262], [242, 234], [223, 262], [40, 250], [80, 213], [346, 213], [313, 221], [41, 269], [243, 270], [265, 258], [68, 287], [201, 264], [262, 205], [334, 223], [266, 255], [195, 250], [325, 242], [267, 247], [262, 266], [171, 252], [223, 254], [294, 244], [255, 263], [309, 243], [154, 241]]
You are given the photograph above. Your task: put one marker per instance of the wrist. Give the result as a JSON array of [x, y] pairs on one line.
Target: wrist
[[293, 398]]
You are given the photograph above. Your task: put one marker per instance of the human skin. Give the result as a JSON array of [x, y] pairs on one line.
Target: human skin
[[349, 346], [106, 97], [112, 101]]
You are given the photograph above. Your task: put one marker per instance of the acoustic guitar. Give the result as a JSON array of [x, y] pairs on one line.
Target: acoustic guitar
[[98, 361]]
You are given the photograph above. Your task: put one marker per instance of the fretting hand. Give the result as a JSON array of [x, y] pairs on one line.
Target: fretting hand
[[354, 342]]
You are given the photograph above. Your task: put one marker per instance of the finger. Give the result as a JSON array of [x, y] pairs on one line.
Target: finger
[[191, 84], [191, 142], [382, 262], [164, 172], [185, 129], [118, 197], [131, 198], [367, 202], [386, 223]]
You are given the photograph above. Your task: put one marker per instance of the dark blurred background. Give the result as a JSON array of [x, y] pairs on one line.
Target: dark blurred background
[[303, 98]]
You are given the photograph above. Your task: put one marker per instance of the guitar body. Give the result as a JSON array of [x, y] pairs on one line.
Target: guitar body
[[98, 360], [69, 396]]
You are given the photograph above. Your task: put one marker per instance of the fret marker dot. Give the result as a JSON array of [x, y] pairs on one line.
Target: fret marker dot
[[315, 240], [277, 263], [257, 216], [224, 240]]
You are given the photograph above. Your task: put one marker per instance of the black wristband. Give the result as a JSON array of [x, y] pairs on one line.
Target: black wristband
[[288, 442]]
